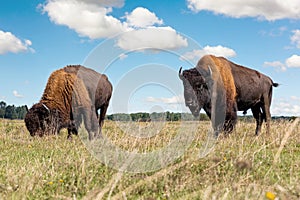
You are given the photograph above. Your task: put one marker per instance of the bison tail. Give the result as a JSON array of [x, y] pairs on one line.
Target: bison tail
[[275, 84]]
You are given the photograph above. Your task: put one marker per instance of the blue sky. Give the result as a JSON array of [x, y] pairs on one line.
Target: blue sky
[[141, 44]]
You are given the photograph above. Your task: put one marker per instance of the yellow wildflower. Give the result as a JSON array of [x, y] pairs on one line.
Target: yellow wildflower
[[50, 183], [270, 196]]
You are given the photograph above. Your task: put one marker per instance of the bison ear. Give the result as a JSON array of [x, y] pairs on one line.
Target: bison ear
[[180, 73]]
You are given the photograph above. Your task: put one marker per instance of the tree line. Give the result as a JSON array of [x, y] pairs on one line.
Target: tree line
[[155, 116], [19, 112], [12, 111]]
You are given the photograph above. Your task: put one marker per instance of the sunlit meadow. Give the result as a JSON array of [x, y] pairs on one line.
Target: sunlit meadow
[[240, 166]]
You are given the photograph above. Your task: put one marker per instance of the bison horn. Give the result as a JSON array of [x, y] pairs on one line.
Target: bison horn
[[180, 74], [210, 71], [46, 107]]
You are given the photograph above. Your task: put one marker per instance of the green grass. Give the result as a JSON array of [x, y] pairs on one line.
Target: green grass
[[240, 166]]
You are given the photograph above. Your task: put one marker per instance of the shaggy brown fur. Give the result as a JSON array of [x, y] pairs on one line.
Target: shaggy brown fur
[[222, 68], [224, 82], [58, 93], [71, 94]]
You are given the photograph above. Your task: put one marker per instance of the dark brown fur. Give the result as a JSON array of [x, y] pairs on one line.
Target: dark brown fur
[[72, 94]]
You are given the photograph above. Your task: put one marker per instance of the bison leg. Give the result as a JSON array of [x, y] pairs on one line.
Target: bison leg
[[266, 110], [257, 114], [93, 125], [102, 117], [88, 116], [230, 124], [231, 119], [72, 130]]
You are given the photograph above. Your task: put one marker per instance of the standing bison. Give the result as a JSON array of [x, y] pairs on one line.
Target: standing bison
[[222, 87], [72, 94]]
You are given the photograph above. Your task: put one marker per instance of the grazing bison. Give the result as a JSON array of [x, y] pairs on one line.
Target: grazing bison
[[72, 94], [222, 87]]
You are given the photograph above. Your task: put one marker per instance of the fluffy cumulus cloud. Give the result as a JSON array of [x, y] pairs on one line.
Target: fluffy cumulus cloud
[[291, 62], [91, 18], [286, 106], [88, 18], [10, 43], [171, 100], [107, 3], [122, 56], [296, 38], [16, 94], [276, 64], [155, 38], [266, 9], [142, 17], [219, 50], [147, 34], [2, 97]]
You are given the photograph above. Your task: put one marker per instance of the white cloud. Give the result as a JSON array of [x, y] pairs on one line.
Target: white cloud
[[293, 61], [107, 3], [296, 38], [171, 100], [151, 38], [122, 56], [91, 19], [10, 43], [16, 94], [219, 50], [286, 106], [295, 98], [266, 9], [275, 32], [87, 18], [277, 64], [142, 17]]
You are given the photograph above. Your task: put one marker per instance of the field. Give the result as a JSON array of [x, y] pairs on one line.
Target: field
[[239, 166]]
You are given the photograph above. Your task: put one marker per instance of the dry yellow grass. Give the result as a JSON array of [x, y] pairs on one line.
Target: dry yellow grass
[[240, 165]]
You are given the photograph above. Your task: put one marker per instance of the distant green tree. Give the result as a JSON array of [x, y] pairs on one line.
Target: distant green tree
[[109, 117], [120, 117], [162, 116], [21, 112], [158, 116], [2, 109], [168, 116], [10, 112]]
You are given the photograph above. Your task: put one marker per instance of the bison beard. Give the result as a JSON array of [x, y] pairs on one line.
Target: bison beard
[[222, 88], [72, 94]]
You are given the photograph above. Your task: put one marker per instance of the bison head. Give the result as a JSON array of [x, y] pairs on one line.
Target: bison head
[[195, 90], [39, 120]]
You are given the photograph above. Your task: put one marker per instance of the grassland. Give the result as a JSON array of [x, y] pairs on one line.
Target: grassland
[[240, 166]]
